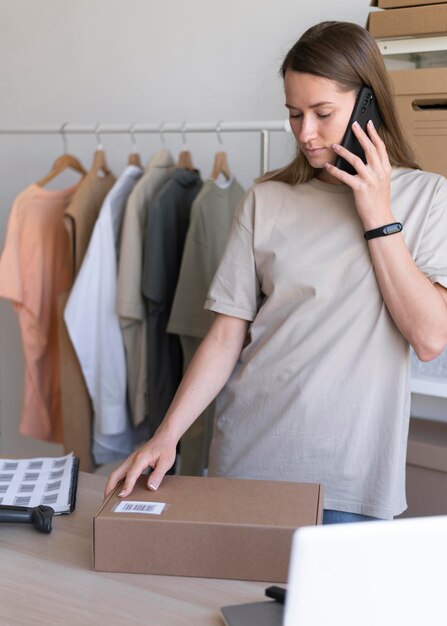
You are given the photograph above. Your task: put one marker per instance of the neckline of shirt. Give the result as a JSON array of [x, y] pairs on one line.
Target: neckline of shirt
[[222, 188], [56, 194], [133, 170], [162, 158], [185, 177], [329, 187]]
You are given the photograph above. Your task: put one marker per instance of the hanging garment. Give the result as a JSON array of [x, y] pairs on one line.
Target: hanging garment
[[210, 223], [166, 225], [93, 324], [130, 302], [196, 441], [211, 218], [34, 270], [80, 217]]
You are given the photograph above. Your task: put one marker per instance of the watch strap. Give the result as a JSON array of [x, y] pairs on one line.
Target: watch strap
[[383, 231]]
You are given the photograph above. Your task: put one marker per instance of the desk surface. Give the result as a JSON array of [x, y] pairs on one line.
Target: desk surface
[[49, 580]]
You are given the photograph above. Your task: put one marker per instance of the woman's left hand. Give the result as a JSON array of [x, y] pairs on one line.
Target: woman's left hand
[[371, 185]]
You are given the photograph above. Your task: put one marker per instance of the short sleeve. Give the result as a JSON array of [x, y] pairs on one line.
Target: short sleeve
[[10, 261], [235, 287], [431, 257]]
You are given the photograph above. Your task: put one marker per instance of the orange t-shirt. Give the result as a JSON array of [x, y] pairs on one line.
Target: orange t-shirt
[[35, 267]]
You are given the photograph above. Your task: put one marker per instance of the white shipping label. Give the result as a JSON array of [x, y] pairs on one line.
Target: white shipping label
[[149, 508]]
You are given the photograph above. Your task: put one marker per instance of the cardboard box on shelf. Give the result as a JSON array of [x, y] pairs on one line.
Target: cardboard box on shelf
[[209, 527], [421, 99], [409, 21], [394, 4], [426, 468]]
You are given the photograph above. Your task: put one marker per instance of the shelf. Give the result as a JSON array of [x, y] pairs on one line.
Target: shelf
[[415, 51], [410, 45], [429, 387]]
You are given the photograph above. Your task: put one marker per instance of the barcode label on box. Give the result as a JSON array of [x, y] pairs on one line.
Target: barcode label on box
[[149, 508]]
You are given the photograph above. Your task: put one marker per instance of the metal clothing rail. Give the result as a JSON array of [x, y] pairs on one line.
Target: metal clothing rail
[[264, 128]]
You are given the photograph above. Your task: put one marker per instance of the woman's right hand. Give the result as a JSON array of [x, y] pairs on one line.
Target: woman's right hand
[[209, 370], [158, 453]]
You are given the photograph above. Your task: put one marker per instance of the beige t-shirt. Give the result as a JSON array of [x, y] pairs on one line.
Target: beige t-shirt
[[321, 392], [212, 214], [211, 218], [129, 299]]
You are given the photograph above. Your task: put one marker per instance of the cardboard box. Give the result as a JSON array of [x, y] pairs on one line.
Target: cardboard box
[[421, 99], [420, 20], [210, 527], [394, 4], [426, 468]]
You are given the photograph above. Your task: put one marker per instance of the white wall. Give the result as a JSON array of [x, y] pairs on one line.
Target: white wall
[[111, 61]]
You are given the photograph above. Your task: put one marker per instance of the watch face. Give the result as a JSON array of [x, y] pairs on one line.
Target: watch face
[[392, 228]]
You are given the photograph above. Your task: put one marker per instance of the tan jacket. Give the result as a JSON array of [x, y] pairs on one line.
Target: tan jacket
[[79, 218]]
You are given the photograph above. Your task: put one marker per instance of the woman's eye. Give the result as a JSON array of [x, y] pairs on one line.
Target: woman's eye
[[295, 116], [323, 116]]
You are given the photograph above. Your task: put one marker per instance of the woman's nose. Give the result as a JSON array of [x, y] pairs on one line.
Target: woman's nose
[[307, 130]]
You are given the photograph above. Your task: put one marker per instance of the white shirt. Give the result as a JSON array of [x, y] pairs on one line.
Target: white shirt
[[91, 317]]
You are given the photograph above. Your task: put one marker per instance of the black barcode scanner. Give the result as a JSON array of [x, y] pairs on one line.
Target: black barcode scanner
[[39, 516]]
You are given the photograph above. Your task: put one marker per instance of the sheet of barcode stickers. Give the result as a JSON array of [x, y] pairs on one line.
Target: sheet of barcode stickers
[[30, 482]]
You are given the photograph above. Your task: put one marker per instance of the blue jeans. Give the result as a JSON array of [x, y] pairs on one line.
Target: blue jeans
[[342, 517]]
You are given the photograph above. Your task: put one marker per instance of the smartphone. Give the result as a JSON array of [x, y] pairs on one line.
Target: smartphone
[[365, 109]]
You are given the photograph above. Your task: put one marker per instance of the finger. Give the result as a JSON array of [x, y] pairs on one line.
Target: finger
[[118, 474], [372, 132], [342, 176], [159, 472], [351, 158], [377, 141], [368, 146], [140, 463]]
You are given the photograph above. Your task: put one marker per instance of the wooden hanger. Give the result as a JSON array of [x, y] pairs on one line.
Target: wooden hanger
[[220, 166], [99, 164], [185, 158], [220, 160], [134, 159], [134, 156], [185, 161], [64, 162]]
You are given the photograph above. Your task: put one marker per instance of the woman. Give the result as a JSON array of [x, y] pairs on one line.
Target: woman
[[310, 345]]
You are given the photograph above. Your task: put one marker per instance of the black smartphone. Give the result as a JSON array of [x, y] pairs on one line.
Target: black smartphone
[[365, 109]]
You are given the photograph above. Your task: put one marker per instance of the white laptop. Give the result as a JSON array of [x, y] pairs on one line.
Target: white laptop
[[361, 574]]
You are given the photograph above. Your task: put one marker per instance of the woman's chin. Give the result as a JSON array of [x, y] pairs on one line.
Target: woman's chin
[[318, 162]]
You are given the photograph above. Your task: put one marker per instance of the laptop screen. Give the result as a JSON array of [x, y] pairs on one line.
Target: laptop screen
[[369, 574]]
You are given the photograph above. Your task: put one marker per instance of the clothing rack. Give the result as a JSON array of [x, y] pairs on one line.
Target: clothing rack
[[264, 128]]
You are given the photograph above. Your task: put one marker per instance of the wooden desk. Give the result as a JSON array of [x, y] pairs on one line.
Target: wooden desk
[[49, 580]]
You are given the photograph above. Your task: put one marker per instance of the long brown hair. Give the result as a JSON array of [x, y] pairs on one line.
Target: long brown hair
[[346, 53]]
